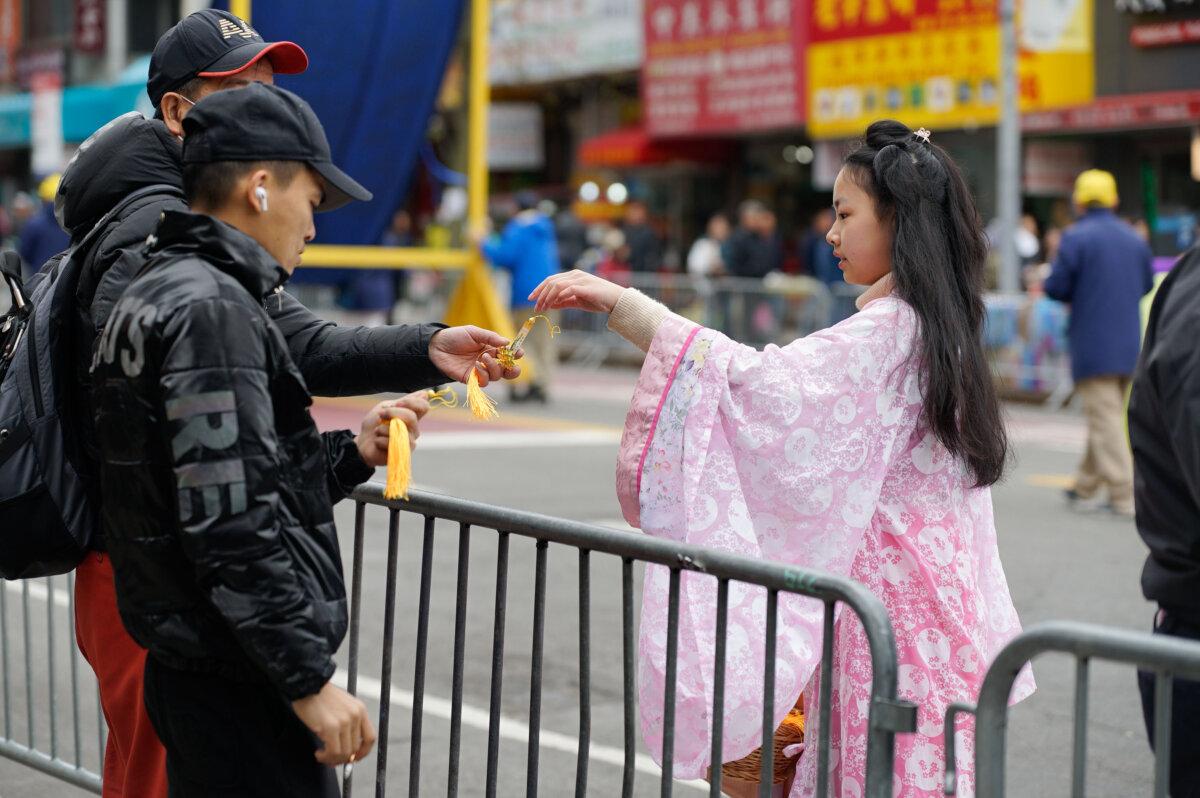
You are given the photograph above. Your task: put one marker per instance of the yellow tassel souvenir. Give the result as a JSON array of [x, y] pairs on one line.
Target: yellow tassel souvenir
[[483, 407], [508, 354], [399, 461], [442, 397]]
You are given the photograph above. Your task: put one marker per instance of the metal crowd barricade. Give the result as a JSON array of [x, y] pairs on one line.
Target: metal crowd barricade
[[775, 310], [42, 680], [1166, 657], [1026, 342], [887, 715]]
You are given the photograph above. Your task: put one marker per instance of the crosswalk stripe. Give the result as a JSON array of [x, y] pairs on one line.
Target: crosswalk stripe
[[510, 728], [435, 706]]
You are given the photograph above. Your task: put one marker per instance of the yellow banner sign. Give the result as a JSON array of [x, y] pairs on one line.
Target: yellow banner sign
[[936, 63]]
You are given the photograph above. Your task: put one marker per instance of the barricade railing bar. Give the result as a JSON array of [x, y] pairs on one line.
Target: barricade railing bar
[[33, 672], [1166, 657], [887, 715]]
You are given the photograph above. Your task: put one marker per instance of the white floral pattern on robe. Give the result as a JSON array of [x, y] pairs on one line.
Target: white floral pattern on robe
[[812, 454]]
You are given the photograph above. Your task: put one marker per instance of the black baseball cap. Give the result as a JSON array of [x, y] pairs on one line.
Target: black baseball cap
[[265, 123], [214, 44]]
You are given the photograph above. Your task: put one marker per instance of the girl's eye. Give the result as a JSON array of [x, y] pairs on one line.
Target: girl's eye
[[842, 215]]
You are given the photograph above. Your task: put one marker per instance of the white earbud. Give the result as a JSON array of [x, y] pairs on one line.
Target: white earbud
[[261, 193]]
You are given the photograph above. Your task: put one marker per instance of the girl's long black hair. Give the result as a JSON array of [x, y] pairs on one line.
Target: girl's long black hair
[[938, 256]]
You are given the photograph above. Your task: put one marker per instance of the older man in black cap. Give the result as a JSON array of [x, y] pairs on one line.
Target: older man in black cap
[[205, 53], [221, 533]]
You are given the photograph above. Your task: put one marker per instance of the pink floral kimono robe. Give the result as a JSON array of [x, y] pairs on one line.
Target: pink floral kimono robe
[[812, 454]]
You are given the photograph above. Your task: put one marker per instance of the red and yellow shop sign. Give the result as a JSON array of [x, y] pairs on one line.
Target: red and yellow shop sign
[[936, 63]]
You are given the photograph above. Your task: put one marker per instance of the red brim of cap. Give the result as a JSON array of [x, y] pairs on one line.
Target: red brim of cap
[[287, 58]]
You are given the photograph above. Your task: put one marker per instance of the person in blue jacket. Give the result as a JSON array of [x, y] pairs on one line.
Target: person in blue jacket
[[42, 237], [1103, 270], [528, 250]]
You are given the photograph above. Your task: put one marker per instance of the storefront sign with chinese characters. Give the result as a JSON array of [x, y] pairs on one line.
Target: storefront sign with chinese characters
[[1129, 112], [10, 38], [1152, 6], [89, 26], [936, 63], [1164, 34], [535, 41], [721, 66], [515, 136]]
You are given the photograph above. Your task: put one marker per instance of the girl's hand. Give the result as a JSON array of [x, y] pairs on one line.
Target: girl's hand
[[578, 290], [373, 440]]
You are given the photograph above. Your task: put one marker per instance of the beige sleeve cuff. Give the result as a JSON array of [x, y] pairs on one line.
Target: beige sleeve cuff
[[636, 318]]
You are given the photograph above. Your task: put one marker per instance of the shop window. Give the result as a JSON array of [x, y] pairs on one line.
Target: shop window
[[149, 19], [48, 20]]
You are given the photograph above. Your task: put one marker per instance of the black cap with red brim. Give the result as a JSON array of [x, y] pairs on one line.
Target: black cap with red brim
[[214, 44]]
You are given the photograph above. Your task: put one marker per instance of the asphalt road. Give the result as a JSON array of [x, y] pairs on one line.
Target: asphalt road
[[559, 460]]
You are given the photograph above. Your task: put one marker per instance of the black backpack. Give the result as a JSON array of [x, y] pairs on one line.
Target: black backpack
[[47, 518]]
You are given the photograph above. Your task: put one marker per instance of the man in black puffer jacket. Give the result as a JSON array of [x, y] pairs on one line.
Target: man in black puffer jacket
[[207, 52], [217, 487], [1164, 430]]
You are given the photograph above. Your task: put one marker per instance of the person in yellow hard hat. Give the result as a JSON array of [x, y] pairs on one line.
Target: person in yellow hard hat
[[1103, 270], [42, 237]]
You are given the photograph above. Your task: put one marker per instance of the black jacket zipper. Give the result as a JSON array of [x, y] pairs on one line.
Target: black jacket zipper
[[34, 377]]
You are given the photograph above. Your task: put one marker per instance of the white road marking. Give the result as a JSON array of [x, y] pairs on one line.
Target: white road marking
[[435, 706], [510, 728], [516, 439]]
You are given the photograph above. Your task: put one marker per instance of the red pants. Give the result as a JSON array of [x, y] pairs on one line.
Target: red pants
[[135, 762]]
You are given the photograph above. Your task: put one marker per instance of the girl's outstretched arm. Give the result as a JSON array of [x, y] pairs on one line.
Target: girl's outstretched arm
[[632, 314]]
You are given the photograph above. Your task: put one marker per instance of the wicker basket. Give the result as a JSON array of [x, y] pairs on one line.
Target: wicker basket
[[742, 777]]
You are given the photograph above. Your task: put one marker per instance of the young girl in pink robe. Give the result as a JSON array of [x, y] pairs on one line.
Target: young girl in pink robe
[[865, 450]]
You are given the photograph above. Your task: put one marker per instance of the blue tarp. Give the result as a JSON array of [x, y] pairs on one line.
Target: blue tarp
[[375, 69]]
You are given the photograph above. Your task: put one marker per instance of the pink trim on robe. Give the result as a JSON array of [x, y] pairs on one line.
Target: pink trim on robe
[[641, 420]]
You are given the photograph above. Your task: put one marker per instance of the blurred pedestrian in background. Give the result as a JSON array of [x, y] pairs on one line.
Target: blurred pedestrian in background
[[645, 247], [1103, 270], [747, 252], [817, 253], [612, 255], [772, 241], [42, 237], [21, 210], [1042, 326], [572, 237], [1164, 428], [527, 249], [369, 296], [398, 234], [704, 258], [1029, 244]]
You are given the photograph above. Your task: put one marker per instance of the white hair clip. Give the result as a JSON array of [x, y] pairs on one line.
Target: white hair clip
[[923, 135]]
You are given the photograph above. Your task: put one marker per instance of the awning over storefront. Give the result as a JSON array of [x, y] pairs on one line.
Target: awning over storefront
[[85, 109], [632, 146]]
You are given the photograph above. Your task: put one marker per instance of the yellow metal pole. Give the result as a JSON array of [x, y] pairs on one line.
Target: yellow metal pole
[[475, 300], [375, 257], [477, 110], [240, 8]]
